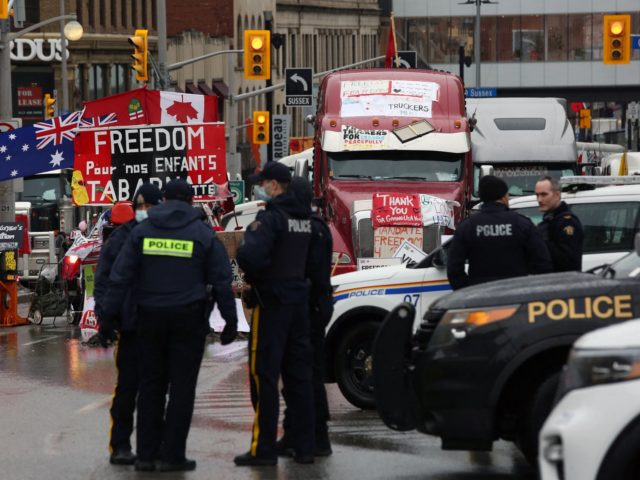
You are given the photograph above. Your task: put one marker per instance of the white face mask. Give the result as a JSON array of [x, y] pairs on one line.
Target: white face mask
[[261, 193], [141, 215]]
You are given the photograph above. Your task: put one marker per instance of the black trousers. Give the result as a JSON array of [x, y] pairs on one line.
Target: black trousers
[[320, 403], [279, 345], [124, 396], [170, 345]]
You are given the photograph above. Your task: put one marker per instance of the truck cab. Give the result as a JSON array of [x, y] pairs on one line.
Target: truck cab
[[521, 140], [387, 130]]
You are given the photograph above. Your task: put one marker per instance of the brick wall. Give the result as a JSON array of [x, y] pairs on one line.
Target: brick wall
[[214, 17]]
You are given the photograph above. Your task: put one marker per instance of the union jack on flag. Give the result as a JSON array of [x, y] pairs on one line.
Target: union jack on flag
[[57, 129], [98, 121]]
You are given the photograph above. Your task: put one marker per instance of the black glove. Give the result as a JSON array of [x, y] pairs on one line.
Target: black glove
[[229, 333], [106, 335]]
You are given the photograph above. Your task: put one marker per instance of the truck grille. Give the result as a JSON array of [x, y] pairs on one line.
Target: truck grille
[[427, 327]]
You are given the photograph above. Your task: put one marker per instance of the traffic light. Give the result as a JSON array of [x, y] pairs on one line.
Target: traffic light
[[617, 39], [584, 119], [4, 9], [261, 127], [49, 106], [139, 55], [257, 54]]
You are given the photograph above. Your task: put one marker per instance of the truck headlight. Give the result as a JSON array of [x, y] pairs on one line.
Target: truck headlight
[[590, 367], [457, 324]]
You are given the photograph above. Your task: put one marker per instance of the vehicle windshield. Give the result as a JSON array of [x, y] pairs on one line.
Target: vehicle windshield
[[40, 189], [627, 267], [522, 178], [397, 165]]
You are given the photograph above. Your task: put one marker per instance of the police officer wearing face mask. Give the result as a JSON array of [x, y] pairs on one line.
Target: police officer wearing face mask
[[124, 397], [274, 258], [497, 242], [169, 259]]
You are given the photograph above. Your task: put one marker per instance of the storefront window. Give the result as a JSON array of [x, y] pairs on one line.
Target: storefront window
[[488, 36], [531, 38], [579, 40], [461, 34], [438, 42], [508, 44], [557, 37]]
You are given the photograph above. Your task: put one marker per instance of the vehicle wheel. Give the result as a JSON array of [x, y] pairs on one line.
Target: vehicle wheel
[[36, 317], [622, 461], [534, 414], [353, 363]]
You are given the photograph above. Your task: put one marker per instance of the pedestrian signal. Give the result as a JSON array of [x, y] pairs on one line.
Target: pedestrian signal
[[261, 127], [49, 104], [140, 53], [617, 39], [257, 54]]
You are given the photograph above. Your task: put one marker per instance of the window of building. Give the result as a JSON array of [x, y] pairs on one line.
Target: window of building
[[531, 38], [119, 73], [114, 14], [124, 5], [438, 40], [96, 82], [488, 40], [32, 11], [557, 37], [508, 45], [579, 36], [103, 13], [596, 37]]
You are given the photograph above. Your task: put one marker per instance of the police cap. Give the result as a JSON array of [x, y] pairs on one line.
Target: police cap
[[492, 188], [178, 189], [272, 171]]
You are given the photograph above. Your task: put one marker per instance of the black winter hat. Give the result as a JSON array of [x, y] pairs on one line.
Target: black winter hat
[[492, 188], [301, 189], [272, 171], [178, 189], [150, 193]]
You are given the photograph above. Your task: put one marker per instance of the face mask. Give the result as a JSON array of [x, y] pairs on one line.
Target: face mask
[[261, 194], [141, 215]]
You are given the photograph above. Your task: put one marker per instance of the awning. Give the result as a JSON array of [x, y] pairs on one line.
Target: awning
[[220, 88], [191, 88], [204, 88]]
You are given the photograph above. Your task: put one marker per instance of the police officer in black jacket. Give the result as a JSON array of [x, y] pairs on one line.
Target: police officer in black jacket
[[124, 396], [320, 311], [274, 258], [497, 242], [560, 228], [169, 260]]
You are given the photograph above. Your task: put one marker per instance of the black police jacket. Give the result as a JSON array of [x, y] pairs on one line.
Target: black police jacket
[[498, 243], [170, 258], [563, 234], [108, 254], [319, 271], [273, 255]]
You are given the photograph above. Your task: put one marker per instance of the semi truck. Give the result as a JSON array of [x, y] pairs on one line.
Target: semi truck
[[387, 131], [520, 140]]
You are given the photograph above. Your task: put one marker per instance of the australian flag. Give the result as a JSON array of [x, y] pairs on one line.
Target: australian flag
[[38, 148]]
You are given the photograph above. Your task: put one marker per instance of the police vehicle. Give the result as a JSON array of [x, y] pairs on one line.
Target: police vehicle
[[610, 219], [593, 432], [484, 363]]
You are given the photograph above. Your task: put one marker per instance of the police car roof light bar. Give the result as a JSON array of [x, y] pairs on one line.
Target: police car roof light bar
[[600, 180]]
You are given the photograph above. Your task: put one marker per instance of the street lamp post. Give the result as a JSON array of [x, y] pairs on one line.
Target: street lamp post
[[476, 34]]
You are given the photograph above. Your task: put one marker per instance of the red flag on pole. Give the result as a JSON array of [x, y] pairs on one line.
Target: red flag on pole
[[391, 56]]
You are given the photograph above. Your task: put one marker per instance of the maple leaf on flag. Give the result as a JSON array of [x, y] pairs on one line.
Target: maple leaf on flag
[[182, 111]]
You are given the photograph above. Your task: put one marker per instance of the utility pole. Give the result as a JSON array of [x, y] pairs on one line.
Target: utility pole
[[476, 43], [7, 195], [64, 78], [268, 25], [161, 14]]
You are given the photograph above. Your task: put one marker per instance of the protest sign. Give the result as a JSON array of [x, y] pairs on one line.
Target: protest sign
[[386, 240]]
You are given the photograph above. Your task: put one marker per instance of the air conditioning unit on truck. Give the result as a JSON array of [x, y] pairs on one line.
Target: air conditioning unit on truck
[[385, 131]]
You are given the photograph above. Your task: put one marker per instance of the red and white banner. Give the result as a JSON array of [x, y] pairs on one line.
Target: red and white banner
[[143, 106], [111, 163], [396, 209]]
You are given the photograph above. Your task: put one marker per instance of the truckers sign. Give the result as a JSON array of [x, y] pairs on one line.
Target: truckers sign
[[111, 163], [298, 87]]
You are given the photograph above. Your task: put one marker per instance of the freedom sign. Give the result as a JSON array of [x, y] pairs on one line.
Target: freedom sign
[[111, 163]]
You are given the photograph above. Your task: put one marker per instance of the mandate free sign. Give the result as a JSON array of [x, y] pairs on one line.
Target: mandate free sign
[[111, 163]]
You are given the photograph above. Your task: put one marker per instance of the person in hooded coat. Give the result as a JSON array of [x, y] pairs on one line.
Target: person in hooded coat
[[168, 261]]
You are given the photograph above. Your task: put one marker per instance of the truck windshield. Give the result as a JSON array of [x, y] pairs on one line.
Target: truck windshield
[[42, 189], [522, 178], [396, 165]]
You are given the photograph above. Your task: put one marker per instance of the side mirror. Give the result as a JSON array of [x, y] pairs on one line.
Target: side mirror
[[486, 170], [301, 168], [310, 119]]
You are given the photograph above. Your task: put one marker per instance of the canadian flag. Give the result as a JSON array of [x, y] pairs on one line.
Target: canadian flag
[[167, 108]]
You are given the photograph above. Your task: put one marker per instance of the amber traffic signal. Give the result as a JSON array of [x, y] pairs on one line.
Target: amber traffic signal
[[4, 9], [617, 39], [49, 104], [140, 53], [257, 54], [261, 127]]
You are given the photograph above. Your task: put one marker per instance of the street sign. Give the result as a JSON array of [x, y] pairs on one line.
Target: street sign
[[6, 125], [236, 187], [408, 58], [298, 87], [280, 127], [480, 92], [11, 235], [635, 42]]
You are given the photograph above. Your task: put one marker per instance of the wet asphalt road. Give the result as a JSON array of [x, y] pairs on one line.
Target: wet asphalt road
[[54, 421]]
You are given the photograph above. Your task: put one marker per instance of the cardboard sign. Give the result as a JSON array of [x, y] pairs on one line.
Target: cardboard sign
[[370, 263], [437, 211], [111, 163], [395, 209], [386, 240], [408, 252], [398, 98]]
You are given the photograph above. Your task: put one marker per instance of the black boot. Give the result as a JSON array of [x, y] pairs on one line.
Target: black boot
[[323, 446], [185, 466], [248, 460], [284, 448], [123, 456]]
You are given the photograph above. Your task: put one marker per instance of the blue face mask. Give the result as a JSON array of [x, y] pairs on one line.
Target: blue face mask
[[261, 194], [141, 215]]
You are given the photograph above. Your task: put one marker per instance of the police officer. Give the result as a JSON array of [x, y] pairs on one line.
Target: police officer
[[123, 403], [320, 311], [560, 228], [169, 260], [497, 242], [274, 257]]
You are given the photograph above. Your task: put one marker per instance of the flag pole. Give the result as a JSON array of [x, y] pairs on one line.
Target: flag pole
[[395, 43]]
